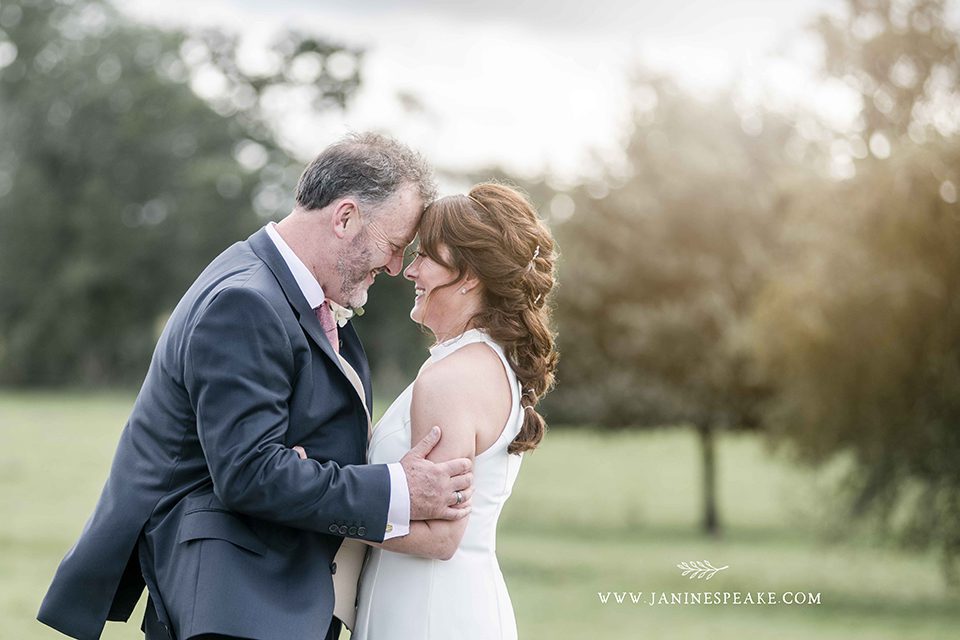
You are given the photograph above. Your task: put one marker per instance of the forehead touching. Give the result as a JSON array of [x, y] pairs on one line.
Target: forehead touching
[[402, 214]]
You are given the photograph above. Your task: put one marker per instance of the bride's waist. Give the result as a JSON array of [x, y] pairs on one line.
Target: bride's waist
[[465, 562], [468, 552]]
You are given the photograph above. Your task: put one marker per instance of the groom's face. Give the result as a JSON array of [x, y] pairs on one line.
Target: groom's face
[[385, 232]]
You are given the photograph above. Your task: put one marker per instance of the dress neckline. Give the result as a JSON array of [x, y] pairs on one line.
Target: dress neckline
[[445, 348]]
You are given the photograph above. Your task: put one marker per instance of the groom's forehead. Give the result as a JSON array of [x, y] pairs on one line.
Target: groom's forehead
[[408, 222], [410, 235], [403, 225]]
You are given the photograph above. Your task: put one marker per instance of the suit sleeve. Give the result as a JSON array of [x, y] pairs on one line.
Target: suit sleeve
[[239, 371]]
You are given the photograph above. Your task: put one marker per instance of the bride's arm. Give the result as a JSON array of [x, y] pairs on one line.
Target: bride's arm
[[446, 393]]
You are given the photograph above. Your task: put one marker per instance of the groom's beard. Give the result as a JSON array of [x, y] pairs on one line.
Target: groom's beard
[[353, 267]]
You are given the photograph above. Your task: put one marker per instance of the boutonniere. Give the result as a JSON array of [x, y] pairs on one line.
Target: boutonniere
[[341, 314]]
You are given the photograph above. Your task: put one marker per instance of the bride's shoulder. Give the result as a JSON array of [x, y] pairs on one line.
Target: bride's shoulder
[[474, 370], [467, 393], [469, 361]]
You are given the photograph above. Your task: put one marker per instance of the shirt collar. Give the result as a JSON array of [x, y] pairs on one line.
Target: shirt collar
[[308, 284]]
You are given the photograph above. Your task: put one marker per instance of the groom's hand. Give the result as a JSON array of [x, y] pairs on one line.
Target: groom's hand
[[434, 486]]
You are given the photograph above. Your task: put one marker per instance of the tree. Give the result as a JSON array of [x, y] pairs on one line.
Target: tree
[[899, 57], [659, 275], [118, 183], [864, 343], [859, 331]]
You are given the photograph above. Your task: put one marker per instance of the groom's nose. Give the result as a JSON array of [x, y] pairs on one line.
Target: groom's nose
[[396, 263]]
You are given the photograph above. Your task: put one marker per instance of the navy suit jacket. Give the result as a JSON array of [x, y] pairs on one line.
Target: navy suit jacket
[[206, 503]]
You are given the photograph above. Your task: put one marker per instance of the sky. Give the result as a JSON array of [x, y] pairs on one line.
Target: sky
[[538, 87]]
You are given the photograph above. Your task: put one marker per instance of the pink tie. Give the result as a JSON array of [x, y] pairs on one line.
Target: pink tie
[[325, 316]]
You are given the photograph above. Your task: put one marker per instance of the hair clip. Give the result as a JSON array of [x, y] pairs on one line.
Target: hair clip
[[536, 254]]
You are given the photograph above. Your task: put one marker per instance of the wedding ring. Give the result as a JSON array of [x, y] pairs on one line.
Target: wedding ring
[[459, 496]]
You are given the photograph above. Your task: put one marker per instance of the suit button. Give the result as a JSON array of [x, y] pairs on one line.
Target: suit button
[[332, 528], [361, 531], [352, 531], [333, 568], [343, 530]]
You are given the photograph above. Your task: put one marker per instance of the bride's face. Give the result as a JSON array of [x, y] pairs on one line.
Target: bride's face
[[434, 305]]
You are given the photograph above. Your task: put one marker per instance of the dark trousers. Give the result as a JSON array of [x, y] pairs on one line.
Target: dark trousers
[[153, 629]]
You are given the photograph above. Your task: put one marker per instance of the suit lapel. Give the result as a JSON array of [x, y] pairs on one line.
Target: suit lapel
[[263, 246]]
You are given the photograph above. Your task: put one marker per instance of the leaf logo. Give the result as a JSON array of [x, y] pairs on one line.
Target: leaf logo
[[700, 569]]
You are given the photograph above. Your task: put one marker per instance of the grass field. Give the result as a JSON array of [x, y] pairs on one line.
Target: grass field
[[590, 513]]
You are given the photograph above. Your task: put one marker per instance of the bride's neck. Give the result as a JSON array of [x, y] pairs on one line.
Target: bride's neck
[[454, 331]]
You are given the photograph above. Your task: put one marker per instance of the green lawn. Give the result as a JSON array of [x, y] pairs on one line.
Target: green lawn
[[590, 514]]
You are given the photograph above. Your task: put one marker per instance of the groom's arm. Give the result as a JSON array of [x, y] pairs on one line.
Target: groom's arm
[[239, 371], [398, 515]]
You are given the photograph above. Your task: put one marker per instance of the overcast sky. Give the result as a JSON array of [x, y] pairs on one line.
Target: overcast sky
[[532, 85]]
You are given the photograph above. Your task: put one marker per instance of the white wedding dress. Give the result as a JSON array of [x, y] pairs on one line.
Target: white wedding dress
[[408, 598]]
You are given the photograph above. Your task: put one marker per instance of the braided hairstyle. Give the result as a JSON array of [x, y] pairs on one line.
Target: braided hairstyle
[[495, 234]]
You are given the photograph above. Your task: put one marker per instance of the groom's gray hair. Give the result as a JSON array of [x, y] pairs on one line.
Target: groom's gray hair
[[368, 166]]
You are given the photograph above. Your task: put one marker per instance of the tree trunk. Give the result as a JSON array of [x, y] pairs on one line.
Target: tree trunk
[[711, 521]]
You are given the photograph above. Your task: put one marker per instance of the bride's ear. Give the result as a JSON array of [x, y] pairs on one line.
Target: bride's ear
[[468, 283]]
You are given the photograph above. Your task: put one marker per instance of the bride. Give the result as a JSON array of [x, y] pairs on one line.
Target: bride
[[482, 277]]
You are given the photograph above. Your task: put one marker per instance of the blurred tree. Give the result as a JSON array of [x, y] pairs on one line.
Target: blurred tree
[[863, 340], [860, 328], [901, 59], [661, 267], [118, 182]]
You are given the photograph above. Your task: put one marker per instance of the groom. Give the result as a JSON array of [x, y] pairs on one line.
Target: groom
[[241, 468]]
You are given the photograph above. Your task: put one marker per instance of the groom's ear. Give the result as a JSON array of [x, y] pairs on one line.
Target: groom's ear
[[345, 214]]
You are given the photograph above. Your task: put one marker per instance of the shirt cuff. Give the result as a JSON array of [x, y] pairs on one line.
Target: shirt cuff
[[398, 515]]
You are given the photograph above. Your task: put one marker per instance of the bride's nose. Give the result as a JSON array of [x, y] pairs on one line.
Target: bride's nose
[[410, 272]]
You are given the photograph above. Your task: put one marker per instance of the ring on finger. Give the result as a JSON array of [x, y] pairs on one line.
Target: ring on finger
[[459, 495]]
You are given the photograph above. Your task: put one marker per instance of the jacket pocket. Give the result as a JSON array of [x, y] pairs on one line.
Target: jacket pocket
[[209, 524]]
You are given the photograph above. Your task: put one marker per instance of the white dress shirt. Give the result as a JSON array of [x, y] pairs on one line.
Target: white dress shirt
[[398, 514]]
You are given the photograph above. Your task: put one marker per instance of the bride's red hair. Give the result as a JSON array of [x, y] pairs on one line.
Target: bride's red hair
[[495, 234]]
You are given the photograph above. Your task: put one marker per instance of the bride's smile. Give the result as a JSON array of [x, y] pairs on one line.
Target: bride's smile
[[443, 300]]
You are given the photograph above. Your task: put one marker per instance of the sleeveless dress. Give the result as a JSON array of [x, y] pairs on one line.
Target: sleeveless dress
[[410, 598]]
